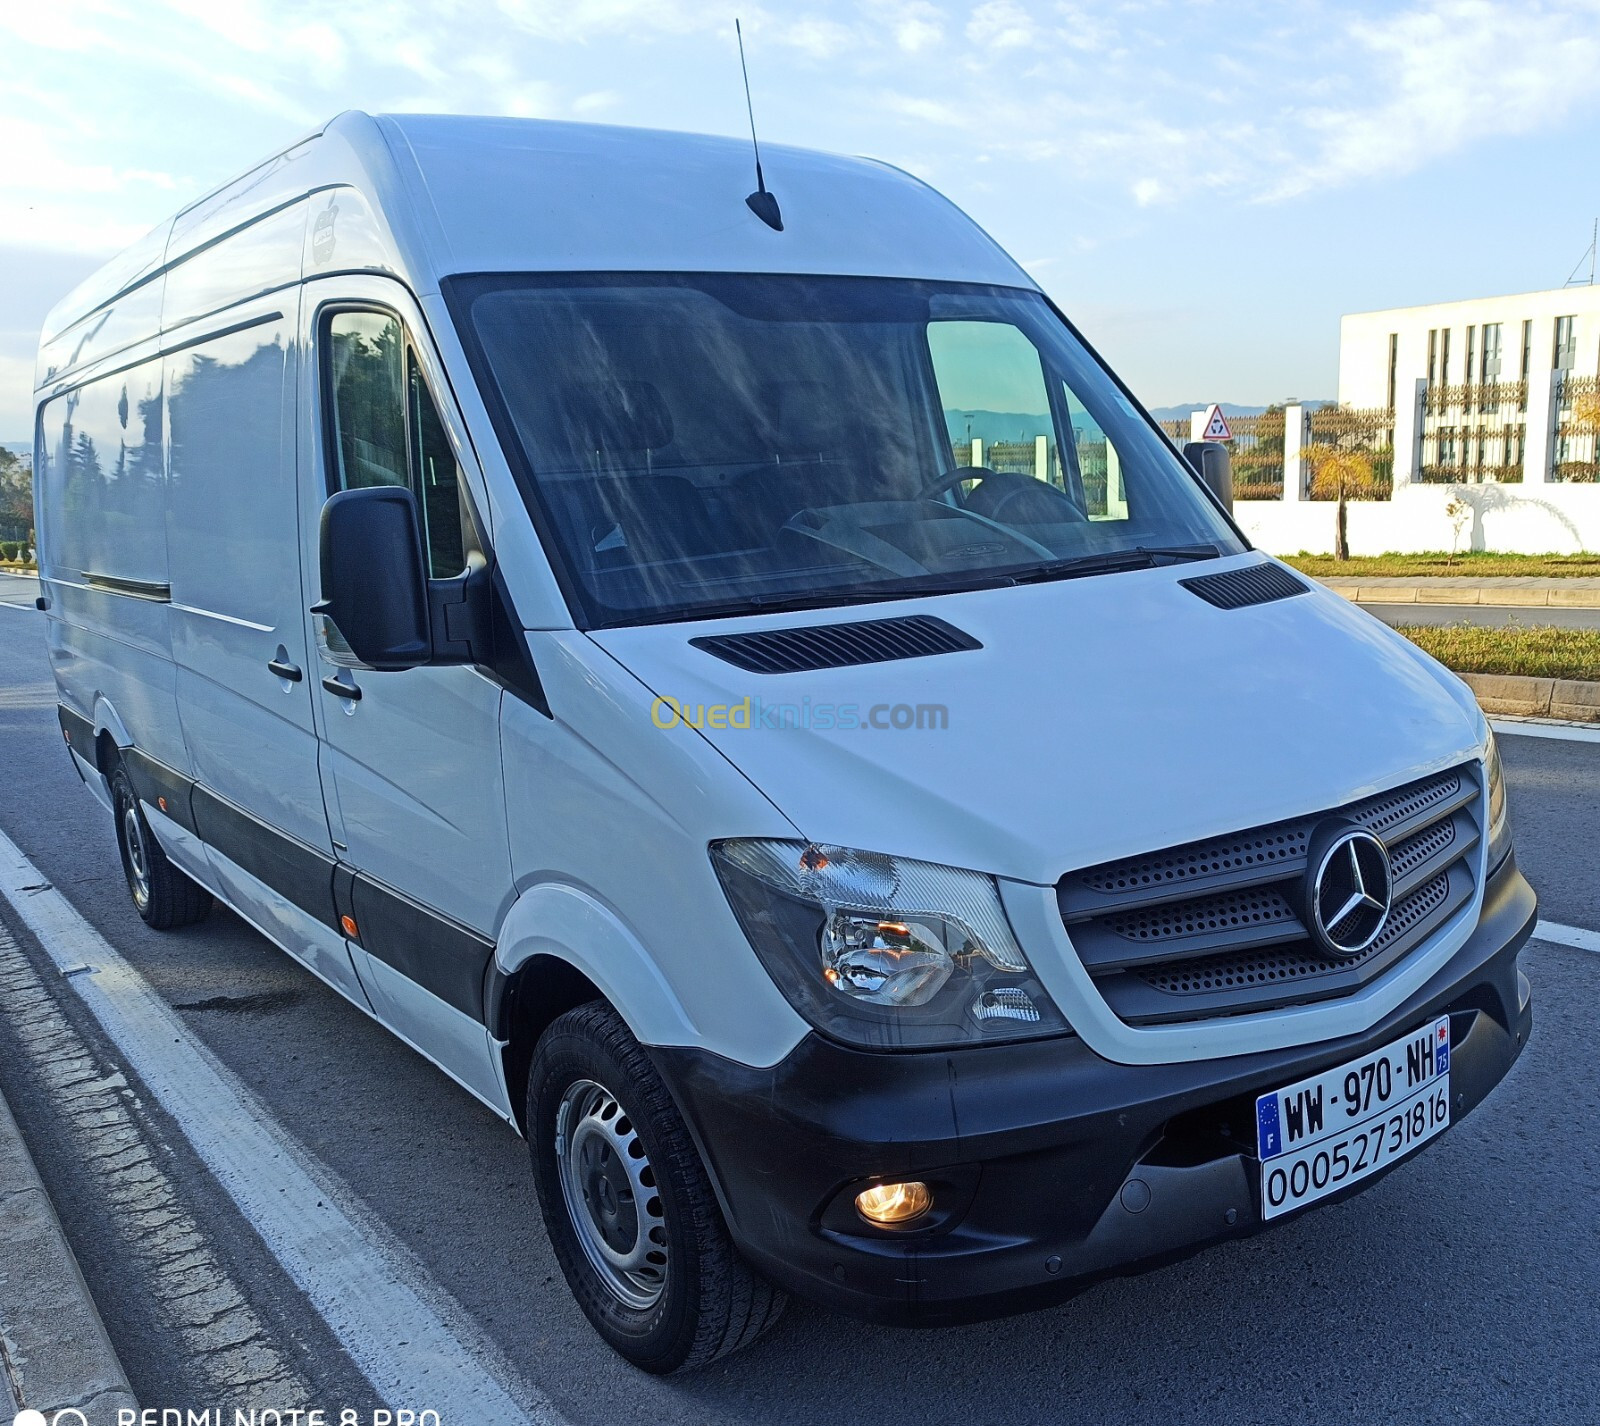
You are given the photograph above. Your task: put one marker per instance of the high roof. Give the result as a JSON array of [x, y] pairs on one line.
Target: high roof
[[511, 194], [440, 194]]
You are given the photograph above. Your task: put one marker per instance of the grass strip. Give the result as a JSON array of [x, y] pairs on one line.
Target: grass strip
[[1540, 650], [1470, 564]]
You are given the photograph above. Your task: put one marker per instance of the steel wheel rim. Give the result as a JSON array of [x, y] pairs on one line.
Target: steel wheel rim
[[612, 1198], [137, 858]]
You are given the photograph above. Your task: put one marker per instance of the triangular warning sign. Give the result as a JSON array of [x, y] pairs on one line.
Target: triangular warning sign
[[1216, 426]]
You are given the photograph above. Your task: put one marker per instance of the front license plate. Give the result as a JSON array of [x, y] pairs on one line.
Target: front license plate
[[1334, 1129]]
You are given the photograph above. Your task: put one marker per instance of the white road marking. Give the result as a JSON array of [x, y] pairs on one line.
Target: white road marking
[[411, 1341], [1532, 728], [1567, 936]]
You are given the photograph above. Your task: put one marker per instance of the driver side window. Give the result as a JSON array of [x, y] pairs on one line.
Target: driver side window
[[386, 429], [998, 415], [995, 403]]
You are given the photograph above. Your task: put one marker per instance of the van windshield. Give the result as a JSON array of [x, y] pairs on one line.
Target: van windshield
[[705, 445]]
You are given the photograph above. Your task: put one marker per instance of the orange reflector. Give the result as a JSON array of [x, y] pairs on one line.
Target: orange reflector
[[349, 924], [161, 802]]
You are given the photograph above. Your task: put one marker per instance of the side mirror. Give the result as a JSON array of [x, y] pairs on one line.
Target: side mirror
[[1212, 463], [375, 589]]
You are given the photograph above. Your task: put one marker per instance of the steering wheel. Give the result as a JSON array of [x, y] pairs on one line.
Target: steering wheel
[[952, 478], [998, 489], [1009, 497]]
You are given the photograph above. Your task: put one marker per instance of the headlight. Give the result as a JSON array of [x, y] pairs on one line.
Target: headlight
[[884, 952], [1499, 818]]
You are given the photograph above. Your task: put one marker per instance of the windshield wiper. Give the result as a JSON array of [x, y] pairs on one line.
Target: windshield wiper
[[1110, 561]]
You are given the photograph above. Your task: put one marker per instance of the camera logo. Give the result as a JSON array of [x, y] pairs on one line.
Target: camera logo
[[67, 1416]]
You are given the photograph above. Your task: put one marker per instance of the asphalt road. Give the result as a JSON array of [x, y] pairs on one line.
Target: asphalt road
[[1459, 1288], [1490, 616]]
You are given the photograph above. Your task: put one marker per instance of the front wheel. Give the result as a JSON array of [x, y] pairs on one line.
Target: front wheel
[[162, 895], [629, 1209]]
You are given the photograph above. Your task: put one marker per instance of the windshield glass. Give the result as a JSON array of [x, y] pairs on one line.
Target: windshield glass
[[707, 444]]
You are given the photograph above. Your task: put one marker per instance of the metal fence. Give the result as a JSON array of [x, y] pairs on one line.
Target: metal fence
[[1474, 433], [1041, 458], [1350, 450], [1256, 450], [1576, 455]]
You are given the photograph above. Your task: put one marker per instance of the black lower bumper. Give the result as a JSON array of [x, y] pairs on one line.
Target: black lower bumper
[[1050, 1166]]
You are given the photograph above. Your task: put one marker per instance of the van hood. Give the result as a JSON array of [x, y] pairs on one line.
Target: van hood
[[1102, 717]]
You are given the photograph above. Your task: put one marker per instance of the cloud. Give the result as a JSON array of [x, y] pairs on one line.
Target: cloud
[[928, 111], [1001, 25], [1450, 74], [917, 27], [596, 102]]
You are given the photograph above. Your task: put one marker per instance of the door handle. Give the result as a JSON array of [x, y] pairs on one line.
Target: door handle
[[342, 690], [284, 669]]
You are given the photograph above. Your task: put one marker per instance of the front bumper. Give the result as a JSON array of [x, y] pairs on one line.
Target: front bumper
[[1051, 1167]]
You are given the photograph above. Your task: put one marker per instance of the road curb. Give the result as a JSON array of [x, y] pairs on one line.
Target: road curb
[[1508, 596], [54, 1351], [1522, 695]]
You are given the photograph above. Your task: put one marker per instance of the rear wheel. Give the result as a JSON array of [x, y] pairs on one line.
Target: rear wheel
[[163, 896], [629, 1209]]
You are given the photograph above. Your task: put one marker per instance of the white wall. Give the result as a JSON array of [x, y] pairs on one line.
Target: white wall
[[1364, 339], [1510, 519]]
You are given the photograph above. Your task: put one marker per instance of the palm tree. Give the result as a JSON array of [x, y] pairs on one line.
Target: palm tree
[[1343, 476]]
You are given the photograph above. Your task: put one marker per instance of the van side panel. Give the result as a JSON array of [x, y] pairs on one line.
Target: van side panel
[[101, 480], [109, 312], [262, 258], [237, 604]]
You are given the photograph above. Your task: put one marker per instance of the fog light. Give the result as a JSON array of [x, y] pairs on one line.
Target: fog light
[[891, 1204]]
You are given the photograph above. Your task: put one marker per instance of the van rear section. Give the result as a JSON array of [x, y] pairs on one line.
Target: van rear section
[[742, 701]]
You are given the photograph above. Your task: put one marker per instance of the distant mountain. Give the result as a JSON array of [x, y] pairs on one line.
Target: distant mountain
[[990, 426], [18, 448], [1177, 413]]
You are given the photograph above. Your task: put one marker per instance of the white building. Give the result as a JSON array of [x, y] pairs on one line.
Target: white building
[[1482, 391], [1489, 406]]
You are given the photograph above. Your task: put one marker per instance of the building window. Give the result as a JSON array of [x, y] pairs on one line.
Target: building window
[[1466, 375], [1566, 344], [1490, 370], [1394, 364], [1433, 356], [1527, 359], [1444, 356]]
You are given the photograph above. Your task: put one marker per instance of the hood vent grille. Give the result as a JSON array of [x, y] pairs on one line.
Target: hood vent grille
[[822, 646], [1236, 588]]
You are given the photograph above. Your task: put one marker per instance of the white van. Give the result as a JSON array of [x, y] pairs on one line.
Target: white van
[[744, 690]]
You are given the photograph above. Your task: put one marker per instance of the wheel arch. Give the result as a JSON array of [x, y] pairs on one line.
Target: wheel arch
[[561, 947], [111, 736]]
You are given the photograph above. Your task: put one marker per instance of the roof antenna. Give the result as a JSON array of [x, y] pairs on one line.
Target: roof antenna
[[1591, 252], [761, 203]]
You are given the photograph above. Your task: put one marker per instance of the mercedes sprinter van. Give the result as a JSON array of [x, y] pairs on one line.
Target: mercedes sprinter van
[[744, 689]]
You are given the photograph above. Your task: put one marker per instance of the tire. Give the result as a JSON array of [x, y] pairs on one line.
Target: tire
[[673, 1294], [162, 895]]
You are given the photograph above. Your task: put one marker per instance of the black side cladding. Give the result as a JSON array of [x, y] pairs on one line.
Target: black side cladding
[[803, 650], [1237, 588]]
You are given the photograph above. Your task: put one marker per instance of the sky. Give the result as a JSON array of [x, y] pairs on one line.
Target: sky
[[1203, 187]]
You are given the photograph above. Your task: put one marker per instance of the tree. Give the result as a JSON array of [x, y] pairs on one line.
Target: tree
[[1341, 475], [16, 497]]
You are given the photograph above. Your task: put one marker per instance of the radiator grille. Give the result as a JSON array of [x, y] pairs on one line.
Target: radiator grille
[[1215, 927]]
